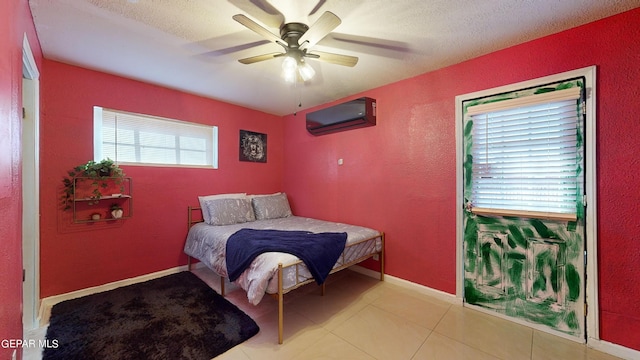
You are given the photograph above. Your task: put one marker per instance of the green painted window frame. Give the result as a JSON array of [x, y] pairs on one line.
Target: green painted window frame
[[530, 194]]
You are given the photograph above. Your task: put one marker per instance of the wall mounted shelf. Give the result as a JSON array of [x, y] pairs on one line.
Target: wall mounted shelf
[[88, 207]]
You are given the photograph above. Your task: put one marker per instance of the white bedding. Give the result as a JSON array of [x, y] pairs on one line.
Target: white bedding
[[207, 243]]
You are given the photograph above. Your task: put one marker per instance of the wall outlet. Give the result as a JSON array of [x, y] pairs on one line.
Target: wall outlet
[[376, 257]]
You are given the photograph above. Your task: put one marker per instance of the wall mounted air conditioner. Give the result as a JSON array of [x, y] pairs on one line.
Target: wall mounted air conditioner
[[352, 114]]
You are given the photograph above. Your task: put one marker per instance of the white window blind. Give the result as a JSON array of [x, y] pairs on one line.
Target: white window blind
[[143, 139], [525, 154]]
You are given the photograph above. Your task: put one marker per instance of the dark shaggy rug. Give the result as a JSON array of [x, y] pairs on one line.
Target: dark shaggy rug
[[173, 317]]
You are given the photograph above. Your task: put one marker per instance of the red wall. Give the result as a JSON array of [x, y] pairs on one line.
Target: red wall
[[77, 256], [15, 21], [399, 176]]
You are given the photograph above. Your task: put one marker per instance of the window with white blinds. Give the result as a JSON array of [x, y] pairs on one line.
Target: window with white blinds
[[526, 156], [129, 138]]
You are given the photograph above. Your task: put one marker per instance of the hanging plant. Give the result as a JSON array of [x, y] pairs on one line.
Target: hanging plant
[[100, 175]]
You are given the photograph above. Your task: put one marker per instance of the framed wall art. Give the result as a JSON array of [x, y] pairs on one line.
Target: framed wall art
[[253, 146]]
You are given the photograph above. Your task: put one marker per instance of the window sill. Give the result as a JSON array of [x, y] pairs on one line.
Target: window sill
[[167, 165], [525, 214]]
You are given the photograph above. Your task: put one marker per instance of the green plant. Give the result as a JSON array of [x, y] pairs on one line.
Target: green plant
[[99, 173]]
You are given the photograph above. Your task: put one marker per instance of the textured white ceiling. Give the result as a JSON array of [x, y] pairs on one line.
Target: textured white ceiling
[[194, 45]]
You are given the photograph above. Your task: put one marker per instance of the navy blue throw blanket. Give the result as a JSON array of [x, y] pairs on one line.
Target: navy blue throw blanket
[[319, 251]]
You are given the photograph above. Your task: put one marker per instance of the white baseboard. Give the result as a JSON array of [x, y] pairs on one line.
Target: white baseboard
[[47, 303], [441, 295], [613, 349]]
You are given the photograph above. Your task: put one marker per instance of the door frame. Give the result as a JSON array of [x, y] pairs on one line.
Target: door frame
[[591, 273], [30, 188]]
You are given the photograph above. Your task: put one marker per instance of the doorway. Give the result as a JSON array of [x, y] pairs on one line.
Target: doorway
[[30, 188], [535, 271]]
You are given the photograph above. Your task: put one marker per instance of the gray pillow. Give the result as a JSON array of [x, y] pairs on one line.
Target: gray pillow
[[271, 206], [205, 211], [229, 211]]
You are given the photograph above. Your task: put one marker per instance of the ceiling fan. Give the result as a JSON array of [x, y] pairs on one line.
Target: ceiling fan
[[297, 39]]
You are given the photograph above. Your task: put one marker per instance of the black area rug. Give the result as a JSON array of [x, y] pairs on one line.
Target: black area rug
[[173, 317]]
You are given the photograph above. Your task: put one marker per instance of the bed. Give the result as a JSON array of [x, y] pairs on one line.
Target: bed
[[220, 217]]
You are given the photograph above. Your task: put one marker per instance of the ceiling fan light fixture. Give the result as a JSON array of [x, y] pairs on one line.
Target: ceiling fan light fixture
[[289, 69], [292, 67], [297, 39], [306, 71], [289, 64]]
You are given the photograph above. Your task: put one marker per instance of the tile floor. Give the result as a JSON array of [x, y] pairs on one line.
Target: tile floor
[[362, 318]]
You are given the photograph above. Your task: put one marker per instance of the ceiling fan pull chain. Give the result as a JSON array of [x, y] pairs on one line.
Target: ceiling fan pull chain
[[297, 91], [295, 98]]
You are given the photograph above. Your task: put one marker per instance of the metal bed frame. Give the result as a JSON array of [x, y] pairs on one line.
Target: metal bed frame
[[192, 220]]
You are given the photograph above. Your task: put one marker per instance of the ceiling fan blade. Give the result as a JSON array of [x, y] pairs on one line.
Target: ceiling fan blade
[[368, 45], [232, 49], [255, 59], [258, 29], [318, 6], [321, 28], [261, 10], [344, 60]]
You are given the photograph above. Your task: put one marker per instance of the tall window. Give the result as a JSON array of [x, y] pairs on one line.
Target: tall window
[[526, 156], [142, 139]]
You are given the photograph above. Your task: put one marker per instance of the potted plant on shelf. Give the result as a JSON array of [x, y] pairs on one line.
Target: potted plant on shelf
[[116, 211], [96, 175]]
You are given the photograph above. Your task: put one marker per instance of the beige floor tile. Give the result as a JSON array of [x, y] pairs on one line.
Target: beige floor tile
[[495, 336], [366, 287], [382, 335], [419, 310], [329, 310], [235, 353], [332, 347], [438, 347], [550, 347], [599, 355], [351, 280], [299, 334]]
